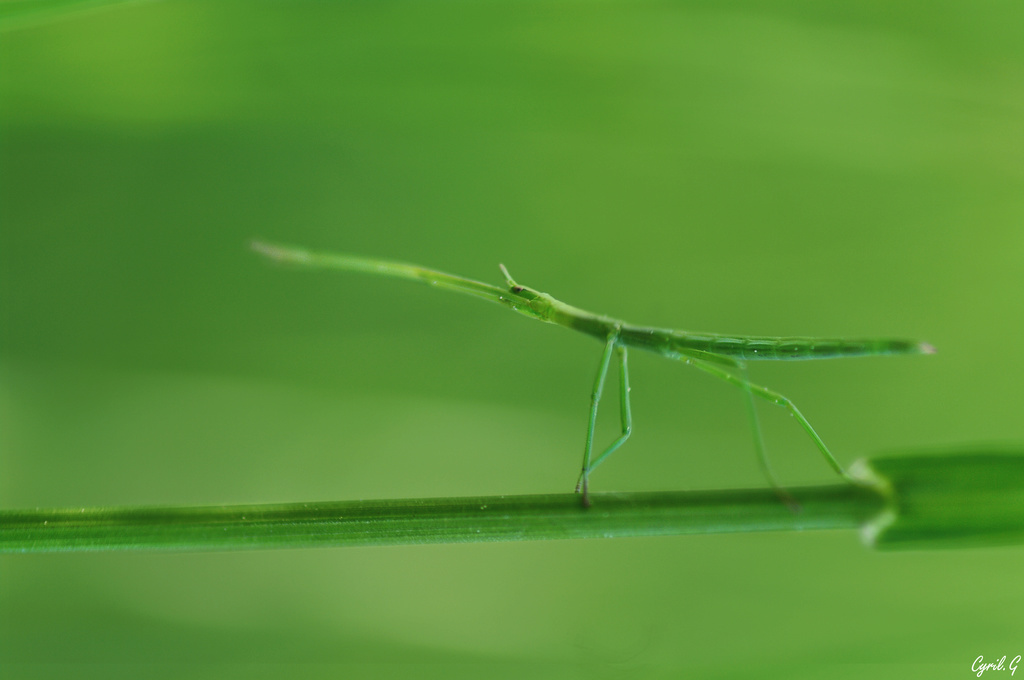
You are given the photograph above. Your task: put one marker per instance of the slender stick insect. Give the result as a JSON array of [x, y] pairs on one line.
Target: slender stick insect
[[722, 356]]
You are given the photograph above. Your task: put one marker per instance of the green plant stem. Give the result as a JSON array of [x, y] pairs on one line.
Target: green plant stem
[[964, 498], [435, 520]]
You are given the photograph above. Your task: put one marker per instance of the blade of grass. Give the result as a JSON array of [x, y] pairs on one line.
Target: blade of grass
[[946, 500], [953, 500], [433, 520]]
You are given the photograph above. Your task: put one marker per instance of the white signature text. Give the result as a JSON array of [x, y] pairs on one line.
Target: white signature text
[[980, 666]]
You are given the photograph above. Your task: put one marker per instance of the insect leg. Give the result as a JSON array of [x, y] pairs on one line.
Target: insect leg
[[625, 415], [595, 399], [759, 443], [775, 398]]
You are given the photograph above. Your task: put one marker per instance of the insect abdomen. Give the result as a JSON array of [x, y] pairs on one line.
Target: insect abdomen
[[795, 349]]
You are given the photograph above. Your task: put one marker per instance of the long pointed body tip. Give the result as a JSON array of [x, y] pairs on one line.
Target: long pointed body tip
[[264, 248], [926, 348], [279, 253]]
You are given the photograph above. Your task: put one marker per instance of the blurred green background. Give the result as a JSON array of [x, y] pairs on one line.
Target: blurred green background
[[772, 168]]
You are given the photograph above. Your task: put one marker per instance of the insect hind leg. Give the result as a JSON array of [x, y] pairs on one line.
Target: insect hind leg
[[762, 456], [752, 390]]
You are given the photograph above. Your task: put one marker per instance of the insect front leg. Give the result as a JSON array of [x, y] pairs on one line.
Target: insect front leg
[[625, 415], [583, 484]]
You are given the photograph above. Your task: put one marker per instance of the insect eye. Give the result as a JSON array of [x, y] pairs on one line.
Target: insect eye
[[517, 289]]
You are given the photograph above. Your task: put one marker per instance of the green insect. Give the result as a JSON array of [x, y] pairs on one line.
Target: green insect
[[723, 356]]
